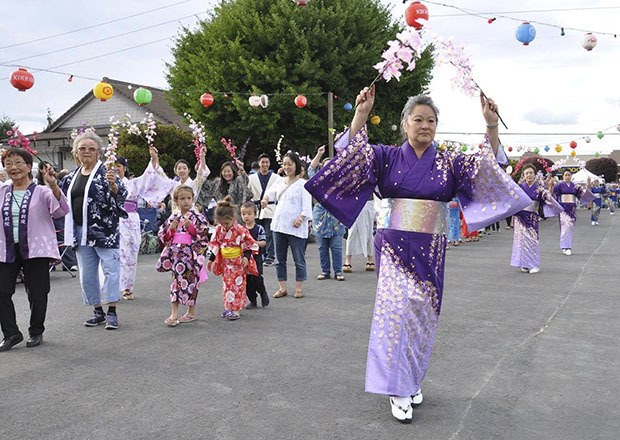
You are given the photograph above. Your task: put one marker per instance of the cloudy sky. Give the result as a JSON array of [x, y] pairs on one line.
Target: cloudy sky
[[551, 86]]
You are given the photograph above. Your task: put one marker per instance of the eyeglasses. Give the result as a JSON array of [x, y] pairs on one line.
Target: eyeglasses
[[84, 149], [19, 163]]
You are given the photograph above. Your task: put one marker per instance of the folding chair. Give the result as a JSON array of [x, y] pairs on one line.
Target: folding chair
[[61, 245]]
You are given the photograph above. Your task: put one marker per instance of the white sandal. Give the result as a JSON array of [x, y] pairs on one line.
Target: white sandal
[[417, 398], [401, 409]]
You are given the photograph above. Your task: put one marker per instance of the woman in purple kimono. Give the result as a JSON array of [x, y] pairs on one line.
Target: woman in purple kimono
[[27, 242], [526, 243], [415, 183], [567, 193]]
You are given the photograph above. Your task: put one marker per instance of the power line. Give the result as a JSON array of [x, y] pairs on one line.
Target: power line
[[490, 15], [95, 25], [101, 39], [532, 11]]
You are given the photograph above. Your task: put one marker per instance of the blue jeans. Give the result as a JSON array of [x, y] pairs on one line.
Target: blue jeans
[[298, 249], [89, 258], [269, 251], [335, 245]]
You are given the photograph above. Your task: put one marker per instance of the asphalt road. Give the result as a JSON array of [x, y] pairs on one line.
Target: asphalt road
[[517, 356]]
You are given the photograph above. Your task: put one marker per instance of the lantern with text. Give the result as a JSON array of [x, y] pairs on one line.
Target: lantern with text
[[142, 96], [206, 99], [525, 33], [416, 15], [301, 101], [103, 91], [573, 144], [589, 41], [22, 80]]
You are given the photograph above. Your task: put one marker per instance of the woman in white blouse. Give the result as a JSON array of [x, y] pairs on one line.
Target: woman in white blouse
[[290, 222]]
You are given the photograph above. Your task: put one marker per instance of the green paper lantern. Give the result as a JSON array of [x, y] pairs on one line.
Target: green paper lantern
[[600, 135], [142, 96], [536, 150]]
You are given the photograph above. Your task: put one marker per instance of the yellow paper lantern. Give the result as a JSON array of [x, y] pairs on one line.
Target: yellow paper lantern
[[375, 120], [558, 148], [573, 153], [103, 91]]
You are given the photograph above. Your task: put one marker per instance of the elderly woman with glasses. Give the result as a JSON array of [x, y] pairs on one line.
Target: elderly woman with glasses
[[415, 184], [96, 197], [27, 242]]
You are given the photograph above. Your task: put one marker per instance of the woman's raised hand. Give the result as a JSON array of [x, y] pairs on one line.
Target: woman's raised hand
[[489, 110], [154, 157], [365, 101]]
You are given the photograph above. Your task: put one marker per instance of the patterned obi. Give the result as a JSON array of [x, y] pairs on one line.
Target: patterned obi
[[130, 206], [231, 252], [413, 215], [533, 207], [182, 238], [568, 198]]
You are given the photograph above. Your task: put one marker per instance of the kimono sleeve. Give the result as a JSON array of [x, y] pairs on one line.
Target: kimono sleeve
[[153, 185], [57, 208], [347, 181], [486, 193], [551, 207], [585, 195]]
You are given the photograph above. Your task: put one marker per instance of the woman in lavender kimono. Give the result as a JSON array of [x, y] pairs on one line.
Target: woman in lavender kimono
[[27, 242], [567, 193], [415, 183], [96, 197], [526, 243], [153, 186]]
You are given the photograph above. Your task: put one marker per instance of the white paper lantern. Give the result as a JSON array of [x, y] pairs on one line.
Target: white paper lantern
[[587, 139], [254, 100], [589, 41], [264, 101], [394, 127]]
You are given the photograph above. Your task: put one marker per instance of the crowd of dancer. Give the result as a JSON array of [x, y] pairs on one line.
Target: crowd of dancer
[[399, 208]]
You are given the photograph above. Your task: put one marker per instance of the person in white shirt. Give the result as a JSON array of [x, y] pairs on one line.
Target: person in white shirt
[[259, 183], [290, 222]]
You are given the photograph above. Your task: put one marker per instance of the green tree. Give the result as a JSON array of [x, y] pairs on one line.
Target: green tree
[[603, 166], [172, 143], [274, 47], [6, 124]]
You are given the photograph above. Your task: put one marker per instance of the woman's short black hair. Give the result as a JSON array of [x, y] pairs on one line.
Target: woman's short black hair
[[294, 157], [14, 151]]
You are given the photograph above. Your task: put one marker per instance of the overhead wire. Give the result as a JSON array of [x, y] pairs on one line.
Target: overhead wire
[[93, 26]]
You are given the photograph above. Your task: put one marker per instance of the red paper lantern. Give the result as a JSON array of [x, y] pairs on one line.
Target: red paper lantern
[[301, 101], [206, 99], [415, 11], [510, 149], [22, 80], [573, 144]]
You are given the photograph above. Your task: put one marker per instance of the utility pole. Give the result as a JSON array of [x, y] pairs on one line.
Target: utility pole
[[330, 123]]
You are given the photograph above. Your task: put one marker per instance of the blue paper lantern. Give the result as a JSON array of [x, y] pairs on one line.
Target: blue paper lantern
[[525, 33], [347, 107], [546, 148]]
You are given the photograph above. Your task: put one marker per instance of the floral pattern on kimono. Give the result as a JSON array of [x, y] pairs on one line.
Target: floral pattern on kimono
[[185, 261], [526, 241], [103, 210], [231, 269], [410, 265]]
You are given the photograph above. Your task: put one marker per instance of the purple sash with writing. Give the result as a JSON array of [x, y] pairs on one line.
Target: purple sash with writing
[[7, 215]]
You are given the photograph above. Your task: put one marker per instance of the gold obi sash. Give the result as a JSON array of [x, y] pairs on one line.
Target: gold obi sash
[[231, 252], [413, 215], [568, 198], [533, 207]]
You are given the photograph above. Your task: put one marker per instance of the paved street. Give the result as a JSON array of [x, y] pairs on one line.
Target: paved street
[[517, 356]]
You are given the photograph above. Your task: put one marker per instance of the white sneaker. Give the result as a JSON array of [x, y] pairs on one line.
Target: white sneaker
[[535, 270], [596, 223], [401, 408], [568, 252], [593, 223], [524, 270], [417, 398]]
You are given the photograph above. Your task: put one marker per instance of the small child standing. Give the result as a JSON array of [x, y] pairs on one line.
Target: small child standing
[[231, 247], [255, 283], [185, 234]]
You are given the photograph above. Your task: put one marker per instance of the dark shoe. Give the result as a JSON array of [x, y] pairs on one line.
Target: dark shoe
[[8, 343], [323, 276], [96, 320], [269, 263], [111, 322], [251, 305], [339, 277], [34, 340], [264, 299]]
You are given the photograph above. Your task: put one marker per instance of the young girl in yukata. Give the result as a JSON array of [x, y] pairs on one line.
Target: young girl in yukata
[[232, 247], [186, 238]]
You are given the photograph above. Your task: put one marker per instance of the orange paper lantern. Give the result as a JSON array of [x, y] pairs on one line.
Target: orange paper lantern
[[21, 79], [301, 101]]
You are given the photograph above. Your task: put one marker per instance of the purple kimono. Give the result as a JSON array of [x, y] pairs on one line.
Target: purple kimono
[[526, 243], [410, 263], [568, 218]]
